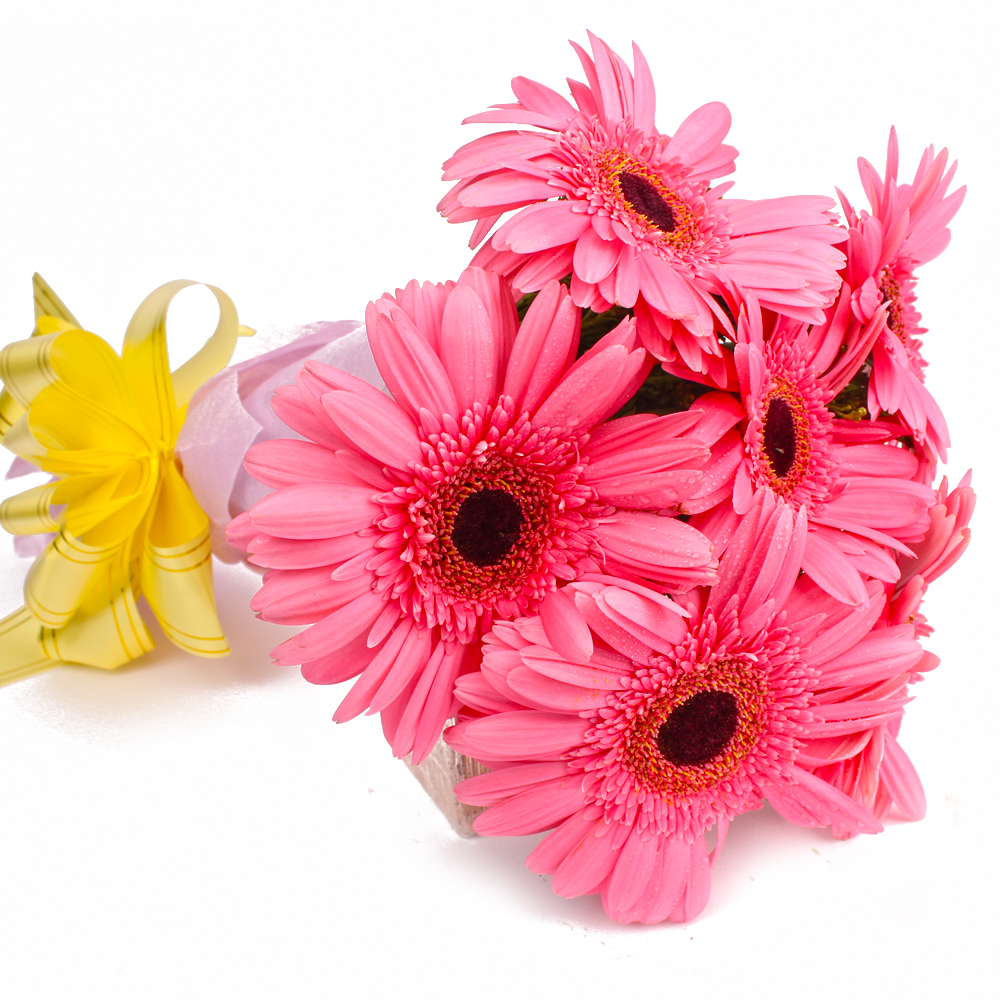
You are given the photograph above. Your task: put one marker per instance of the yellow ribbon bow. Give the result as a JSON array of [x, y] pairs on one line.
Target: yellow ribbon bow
[[125, 521]]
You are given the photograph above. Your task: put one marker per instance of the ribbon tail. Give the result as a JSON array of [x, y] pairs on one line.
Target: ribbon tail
[[110, 637], [176, 569], [27, 513], [47, 303], [177, 582], [106, 632], [21, 651]]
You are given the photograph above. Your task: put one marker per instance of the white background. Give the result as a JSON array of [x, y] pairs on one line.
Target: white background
[[191, 828]]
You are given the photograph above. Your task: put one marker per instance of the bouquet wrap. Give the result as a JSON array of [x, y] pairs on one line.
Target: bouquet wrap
[[628, 527]]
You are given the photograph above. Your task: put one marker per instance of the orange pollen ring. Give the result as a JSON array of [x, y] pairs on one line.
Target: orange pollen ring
[[615, 162], [785, 445], [641, 754], [531, 490]]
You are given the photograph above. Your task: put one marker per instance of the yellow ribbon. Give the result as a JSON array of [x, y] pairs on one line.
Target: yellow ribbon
[[126, 522]]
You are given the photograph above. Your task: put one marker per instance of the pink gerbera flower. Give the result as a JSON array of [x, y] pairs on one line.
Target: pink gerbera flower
[[906, 227], [406, 525], [630, 725], [631, 212], [855, 480]]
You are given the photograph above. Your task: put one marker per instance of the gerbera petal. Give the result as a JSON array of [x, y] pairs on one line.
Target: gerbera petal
[[566, 628], [541, 226], [340, 666], [721, 410], [650, 491], [545, 343], [516, 735], [505, 188], [533, 271], [667, 890], [649, 621], [315, 510], [585, 865], [475, 692], [594, 258], [809, 801], [559, 844], [429, 704], [282, 462], [495, 787], [332, 632], [473, 156], [877, 460], [298, 597], [400, 641], [414, 655], [383, 430], [468, 348], [292, 409], [240, 532], [412, 371], [881, 502], [901, 781], [513, 114], [318, 379], [591, 392], [498, 300], [634, 869], [611, 445], [657, 544], [537, 97], [832, 570], [552, 695], [607, 90], [644, 100], [548, 663], [665, 289], [698, 885], [532, 811], [700, 134], [627, 278], [769, 214], [884, 653]]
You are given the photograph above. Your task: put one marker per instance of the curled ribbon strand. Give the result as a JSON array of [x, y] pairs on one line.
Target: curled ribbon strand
[[125, 521]]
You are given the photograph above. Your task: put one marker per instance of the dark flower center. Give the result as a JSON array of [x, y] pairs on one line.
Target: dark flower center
[[699, 728], [643, 198], [487, 526], [779, 435]]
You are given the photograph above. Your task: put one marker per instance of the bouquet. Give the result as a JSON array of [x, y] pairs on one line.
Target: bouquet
[[638, 512]]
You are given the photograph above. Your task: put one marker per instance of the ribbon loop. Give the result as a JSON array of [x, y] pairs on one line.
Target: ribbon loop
[[28, 512], [26, 368], [61, 576], [108, 637]]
